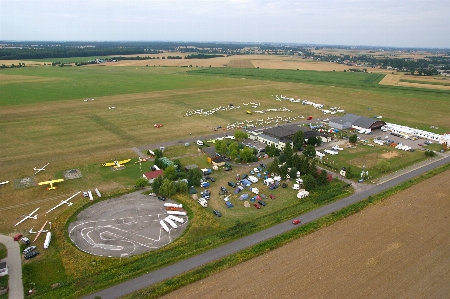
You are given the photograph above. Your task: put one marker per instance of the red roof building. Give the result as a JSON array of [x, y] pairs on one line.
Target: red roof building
[[151, 175]]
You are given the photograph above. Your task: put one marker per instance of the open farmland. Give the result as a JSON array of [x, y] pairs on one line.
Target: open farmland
[[398, 248], [442, 83], [44, 118]]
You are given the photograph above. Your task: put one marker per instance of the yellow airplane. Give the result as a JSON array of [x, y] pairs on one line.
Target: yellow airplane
[[51, 183], [249, 112], [116, 164]]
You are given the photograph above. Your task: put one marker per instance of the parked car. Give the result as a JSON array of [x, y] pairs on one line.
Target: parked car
[[162, 198], [252, 172], [17, 237], [25, 240], [31, 255], [262, 203], [257, 206], [284, 185], [232, 185], [244, 176], [212, 179], [217, 213], [296, 221], [29, 249]]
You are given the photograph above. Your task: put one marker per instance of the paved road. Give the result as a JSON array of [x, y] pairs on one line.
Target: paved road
[[14, 262], [222, 251]]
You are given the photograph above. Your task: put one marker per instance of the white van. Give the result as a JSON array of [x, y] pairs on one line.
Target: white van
[[199, 142], [203, 202]]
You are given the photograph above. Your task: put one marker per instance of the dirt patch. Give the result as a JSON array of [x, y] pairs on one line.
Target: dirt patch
[[399, 248], [389, 155]]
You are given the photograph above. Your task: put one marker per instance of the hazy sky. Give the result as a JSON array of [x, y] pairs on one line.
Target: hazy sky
[[399, 23]]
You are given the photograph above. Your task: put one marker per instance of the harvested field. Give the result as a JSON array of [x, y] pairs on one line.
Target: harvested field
[[241, 63], [390, 79], [399, 248]]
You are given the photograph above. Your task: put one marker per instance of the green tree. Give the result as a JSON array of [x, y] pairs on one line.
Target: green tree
[[322, 179], [246, 154], [353, 139], [298, 140], [293, 172], [240, 135], [194, 176], [349, 173], [309, 182], [170, 173], [157, 184], [273, 167], [383, 166], [312, 141], [141, 183], [288, 152], [309, 151], [167, 188], [182, 187]]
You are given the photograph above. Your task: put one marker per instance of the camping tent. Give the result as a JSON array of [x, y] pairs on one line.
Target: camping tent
[[228, 204], [243, 196], [246, 182]]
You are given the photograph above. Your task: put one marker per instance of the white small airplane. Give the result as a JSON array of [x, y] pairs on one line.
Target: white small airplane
[[4, 183], [39, 231], [29, 216], [40, 169], [67, 201]]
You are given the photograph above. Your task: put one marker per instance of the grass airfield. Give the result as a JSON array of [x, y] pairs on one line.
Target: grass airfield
[[44, 119]]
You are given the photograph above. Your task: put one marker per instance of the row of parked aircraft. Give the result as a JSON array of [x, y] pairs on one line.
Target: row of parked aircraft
[[211, 111]]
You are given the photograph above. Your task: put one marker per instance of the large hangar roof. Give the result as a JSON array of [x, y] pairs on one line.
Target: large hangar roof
[[359, 121]]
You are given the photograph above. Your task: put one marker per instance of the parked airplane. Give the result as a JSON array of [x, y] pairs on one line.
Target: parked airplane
[[116, 163], [29, 216], [4, 183], [67, 201], [50, 183], [40, 169], [39, 231]]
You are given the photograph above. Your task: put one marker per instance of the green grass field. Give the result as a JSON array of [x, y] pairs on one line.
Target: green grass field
[[44, 119]]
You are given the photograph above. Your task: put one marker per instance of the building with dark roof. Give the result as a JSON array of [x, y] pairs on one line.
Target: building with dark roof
[[349, 121]]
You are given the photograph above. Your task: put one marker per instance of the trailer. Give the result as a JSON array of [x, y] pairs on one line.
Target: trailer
[[171, 223], [181, 213], [175, 218]]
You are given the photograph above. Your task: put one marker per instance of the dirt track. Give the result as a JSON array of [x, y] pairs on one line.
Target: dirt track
[[399, 248]]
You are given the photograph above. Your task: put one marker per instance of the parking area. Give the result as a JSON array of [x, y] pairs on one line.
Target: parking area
[[414, 144], [124, 226]]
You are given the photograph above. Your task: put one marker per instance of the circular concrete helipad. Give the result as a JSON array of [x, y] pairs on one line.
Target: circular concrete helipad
[[124, 226]]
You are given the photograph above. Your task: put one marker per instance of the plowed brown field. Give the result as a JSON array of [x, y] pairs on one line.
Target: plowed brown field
[[399, 248]]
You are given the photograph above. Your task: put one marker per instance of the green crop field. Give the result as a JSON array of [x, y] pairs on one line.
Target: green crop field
[[44, 118]]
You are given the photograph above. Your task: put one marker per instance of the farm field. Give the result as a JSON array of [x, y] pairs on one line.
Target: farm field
[[44, 118], [398, 248], [248, 61], [442, 83]]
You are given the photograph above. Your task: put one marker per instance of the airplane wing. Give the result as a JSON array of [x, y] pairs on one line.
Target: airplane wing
[[124, 161], [109, 164], [50, 182]]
